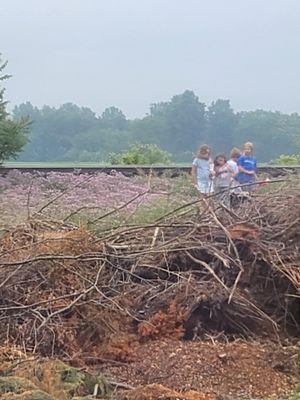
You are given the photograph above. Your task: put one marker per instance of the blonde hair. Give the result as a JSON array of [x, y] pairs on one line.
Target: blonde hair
[[203, 152], [235, 153], [249, 144]]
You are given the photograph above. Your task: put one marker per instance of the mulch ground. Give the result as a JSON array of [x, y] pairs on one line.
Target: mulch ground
[[233, 370]]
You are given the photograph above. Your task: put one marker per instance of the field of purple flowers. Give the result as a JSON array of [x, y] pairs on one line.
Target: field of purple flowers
[[73, 196]]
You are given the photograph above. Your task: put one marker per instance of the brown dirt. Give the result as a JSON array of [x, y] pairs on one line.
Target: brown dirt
[[160, 392], [237, 369]]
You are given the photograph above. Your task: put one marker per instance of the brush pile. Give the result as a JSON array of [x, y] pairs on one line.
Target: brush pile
[[195, 272]]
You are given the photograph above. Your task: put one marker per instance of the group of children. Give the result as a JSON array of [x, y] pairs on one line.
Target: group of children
[[225, 177]]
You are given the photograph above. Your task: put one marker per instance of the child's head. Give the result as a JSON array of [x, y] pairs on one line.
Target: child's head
[[235, 154], [204, 152], [248, 148], [220, 160]]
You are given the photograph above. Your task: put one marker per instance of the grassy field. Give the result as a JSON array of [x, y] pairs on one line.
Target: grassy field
[[85, 198]]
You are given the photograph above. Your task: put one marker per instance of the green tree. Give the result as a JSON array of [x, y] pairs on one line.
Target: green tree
[[292, 124], [272, 133], [221, 124], [53, 130], [150, 129], [13, 134], [113, 118], [95, 145], [177, 126], [185, 123]]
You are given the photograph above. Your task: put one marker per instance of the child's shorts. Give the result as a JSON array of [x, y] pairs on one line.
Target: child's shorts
[[205, 187]]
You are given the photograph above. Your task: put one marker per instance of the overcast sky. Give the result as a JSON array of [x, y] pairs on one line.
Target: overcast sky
[[130, 53]]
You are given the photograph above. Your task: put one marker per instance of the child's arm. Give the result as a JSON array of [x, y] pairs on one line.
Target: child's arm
[[231, 171], [245, 171], [212, 169], [194, 174], [235, 171], [255, 170], [242, 169]]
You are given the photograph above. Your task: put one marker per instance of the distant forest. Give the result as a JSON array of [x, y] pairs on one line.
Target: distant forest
[[179, 126]]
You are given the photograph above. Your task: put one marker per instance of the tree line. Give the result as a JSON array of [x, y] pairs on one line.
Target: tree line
[[13, 134], [179, 126], [171, 129]]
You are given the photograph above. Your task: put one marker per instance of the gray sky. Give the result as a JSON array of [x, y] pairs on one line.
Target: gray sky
[[130, 53]]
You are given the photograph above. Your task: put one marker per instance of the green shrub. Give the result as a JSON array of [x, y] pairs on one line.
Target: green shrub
[[141, 154], [287, 159], [295, 394]]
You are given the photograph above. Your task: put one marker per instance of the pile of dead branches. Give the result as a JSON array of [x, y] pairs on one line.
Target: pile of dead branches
[[197, 271]]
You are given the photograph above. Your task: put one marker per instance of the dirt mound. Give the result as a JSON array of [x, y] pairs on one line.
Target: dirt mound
[[194, 274], [239, 369], [160, 392], [66, 292]]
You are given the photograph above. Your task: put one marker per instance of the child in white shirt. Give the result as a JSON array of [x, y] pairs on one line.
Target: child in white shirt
[[203, 171]]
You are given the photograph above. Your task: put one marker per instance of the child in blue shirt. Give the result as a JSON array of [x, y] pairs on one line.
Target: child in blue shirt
[[203, 171], [247, 166]]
